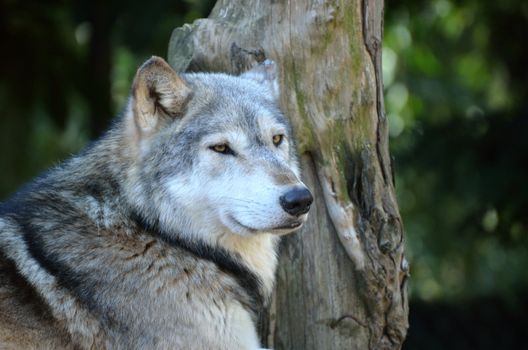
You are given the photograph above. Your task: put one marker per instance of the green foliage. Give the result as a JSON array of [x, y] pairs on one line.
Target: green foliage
[[66, 70], [457, 105]]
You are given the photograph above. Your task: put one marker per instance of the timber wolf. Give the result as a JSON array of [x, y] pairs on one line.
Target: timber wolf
[[163, 233]]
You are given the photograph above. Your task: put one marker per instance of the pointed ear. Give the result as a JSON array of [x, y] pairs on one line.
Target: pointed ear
[[265, 74], [158, 94]]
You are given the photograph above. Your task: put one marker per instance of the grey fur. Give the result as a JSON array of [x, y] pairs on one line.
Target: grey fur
[[109, 249]]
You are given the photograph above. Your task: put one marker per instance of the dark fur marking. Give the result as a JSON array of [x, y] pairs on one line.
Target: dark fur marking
[[80, 286], [66, 278], [246, 279], [32, 203]]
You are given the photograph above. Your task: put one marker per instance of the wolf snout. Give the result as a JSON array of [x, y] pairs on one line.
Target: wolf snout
[[296, 201]]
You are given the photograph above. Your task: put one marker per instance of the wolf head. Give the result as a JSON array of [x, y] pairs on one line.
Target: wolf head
[[212, 153]]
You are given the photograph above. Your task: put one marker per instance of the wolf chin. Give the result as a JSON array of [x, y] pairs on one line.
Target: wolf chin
[[163, 233]]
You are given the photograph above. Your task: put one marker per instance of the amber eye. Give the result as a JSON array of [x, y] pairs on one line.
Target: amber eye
[[277, 139], [222, 148]]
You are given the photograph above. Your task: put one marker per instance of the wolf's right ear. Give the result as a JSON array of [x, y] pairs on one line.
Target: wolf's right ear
[[158, 94]]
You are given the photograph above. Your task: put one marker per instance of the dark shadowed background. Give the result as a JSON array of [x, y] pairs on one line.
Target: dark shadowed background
[[455, 76]]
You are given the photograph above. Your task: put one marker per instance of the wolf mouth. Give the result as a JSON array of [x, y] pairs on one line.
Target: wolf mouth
[[238, 223], [292, 226]]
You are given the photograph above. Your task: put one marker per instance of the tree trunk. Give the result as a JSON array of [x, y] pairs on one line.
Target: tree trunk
[[341, 281]]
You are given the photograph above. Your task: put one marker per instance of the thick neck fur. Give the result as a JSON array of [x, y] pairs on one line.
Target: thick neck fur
[[106, 176]]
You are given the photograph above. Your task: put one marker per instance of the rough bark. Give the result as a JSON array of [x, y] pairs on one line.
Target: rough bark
[[341, 281]]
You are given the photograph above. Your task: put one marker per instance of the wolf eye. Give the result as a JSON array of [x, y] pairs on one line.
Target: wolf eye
[[222, 148], [277, 139]]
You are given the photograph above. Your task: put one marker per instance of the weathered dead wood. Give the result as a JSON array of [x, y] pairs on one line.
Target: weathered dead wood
[[341, 281]]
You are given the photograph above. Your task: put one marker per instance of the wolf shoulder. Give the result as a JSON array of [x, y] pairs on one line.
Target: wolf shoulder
[[43, 306]]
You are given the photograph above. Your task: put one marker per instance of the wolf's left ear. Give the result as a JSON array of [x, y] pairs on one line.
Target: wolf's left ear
[[265, 74], [158, 94]]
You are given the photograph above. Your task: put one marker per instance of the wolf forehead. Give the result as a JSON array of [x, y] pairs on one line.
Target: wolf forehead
[[222, 103]]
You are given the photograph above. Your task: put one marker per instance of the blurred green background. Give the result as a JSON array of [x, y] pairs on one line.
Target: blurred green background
[[456, 88]]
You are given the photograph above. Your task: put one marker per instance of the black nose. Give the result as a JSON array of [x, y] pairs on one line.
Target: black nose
[[297, 201]]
